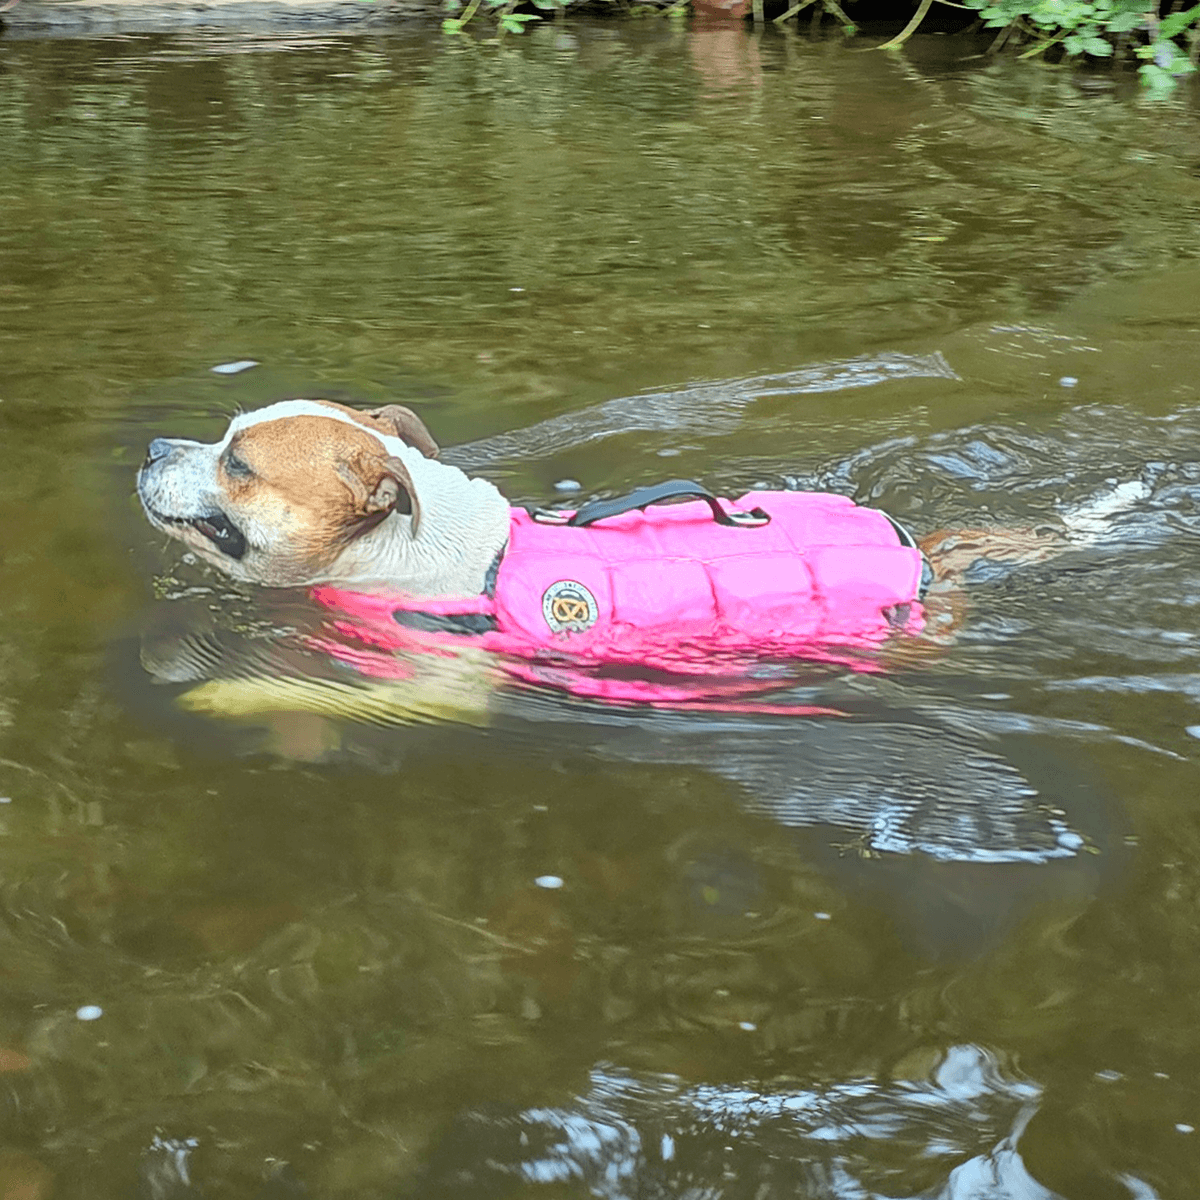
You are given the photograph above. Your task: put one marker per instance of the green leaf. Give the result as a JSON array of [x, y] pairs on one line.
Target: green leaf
[[1124, 22], [1159, 83], [1168, 57], [1097, 46], [1176, 23], [1074, 44], [451, 25]]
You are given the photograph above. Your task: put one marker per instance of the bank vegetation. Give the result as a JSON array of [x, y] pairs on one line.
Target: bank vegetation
[[1163, 38]]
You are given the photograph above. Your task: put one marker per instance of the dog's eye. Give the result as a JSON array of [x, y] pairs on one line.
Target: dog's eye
[[236, 466]]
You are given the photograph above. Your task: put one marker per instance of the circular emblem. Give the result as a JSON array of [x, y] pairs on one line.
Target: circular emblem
[[569, 606]]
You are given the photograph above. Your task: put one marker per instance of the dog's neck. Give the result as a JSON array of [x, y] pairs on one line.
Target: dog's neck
[[464, 525]]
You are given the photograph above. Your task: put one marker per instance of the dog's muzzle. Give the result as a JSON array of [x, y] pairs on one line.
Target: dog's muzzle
[[213, 524], [158, 449]]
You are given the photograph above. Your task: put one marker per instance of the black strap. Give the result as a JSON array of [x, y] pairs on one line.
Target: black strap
[[906, 538], [599, 510]]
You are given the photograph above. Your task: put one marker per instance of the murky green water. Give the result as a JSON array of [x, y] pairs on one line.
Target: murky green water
[[788, 956]]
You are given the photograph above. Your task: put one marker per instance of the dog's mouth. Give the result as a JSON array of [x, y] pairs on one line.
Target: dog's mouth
[[216, 527]]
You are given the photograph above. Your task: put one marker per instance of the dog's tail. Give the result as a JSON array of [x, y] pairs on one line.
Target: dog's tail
[[967, 555], [1088, 522]]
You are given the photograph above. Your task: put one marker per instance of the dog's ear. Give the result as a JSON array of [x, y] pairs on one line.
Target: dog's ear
[[394, 492], [381, 486], [403, 423]]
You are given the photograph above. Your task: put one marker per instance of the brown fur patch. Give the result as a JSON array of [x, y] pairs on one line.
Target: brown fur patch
[[951, 552], [394, 420], [312, 480]]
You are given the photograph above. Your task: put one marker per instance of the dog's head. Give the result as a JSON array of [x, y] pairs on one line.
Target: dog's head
[[289, 489]]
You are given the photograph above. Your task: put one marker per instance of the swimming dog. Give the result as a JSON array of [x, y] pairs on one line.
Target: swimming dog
[[310, 492]]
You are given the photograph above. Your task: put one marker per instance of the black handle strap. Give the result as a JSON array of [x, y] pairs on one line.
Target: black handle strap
[[673, 489]]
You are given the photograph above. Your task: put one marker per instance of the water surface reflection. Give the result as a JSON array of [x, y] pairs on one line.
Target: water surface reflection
[[574, 949]]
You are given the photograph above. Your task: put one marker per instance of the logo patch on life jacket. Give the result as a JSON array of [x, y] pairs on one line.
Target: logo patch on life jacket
[[569, 606]]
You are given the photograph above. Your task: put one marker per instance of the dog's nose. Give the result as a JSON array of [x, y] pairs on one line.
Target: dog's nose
[[158, 448]]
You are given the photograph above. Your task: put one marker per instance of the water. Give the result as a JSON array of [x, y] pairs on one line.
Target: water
[[942, 945]]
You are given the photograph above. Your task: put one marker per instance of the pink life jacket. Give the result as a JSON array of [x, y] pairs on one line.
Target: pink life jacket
[[669, 589]]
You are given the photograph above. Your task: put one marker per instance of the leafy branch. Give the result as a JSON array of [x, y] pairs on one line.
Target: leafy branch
[[508, 20], [1096, 27], [1167, 46]]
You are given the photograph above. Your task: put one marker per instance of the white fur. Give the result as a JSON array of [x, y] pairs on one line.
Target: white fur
[[464, 522], [299, 408], [1088, 522]]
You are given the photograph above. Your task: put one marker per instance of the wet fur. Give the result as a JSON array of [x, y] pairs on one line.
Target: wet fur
[[328, 494]]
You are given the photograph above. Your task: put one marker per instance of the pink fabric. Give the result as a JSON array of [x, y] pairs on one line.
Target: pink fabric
[[675, 592]]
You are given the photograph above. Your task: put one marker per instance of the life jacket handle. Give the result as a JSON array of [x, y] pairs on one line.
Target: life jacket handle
[[643, 497]]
